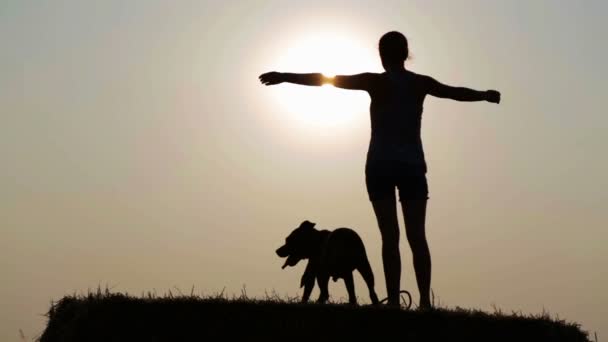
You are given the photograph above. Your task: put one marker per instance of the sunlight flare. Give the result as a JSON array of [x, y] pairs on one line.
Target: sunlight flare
[[314, 108]]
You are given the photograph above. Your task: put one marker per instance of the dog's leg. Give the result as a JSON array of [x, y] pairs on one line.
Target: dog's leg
[[308, 281], [368, 276], [323, 281], [308, 290], [350, 287]]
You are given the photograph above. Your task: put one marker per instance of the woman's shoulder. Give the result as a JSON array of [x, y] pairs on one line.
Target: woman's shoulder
[[419, 77], [422, 81]]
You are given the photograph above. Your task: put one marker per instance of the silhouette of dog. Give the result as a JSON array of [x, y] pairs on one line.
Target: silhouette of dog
[[334, 254]]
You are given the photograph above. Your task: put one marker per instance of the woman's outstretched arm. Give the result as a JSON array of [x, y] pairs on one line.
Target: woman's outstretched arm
[[312, 79], [438, 89], [364, 81]]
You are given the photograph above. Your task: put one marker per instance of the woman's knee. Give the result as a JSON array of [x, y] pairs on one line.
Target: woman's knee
[[390, 235], [416, 238], [390, 249], [419, 247], [390, 244]]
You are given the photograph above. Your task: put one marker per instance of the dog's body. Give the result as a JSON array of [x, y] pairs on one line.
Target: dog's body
[[334, 254]]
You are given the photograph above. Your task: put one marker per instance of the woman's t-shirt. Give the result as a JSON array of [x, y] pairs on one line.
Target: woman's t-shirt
[[396, 115]]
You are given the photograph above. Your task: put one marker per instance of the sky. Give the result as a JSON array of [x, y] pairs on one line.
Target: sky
[[140, 153]]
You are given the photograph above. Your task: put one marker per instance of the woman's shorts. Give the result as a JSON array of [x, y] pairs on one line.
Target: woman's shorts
[[381, 179]]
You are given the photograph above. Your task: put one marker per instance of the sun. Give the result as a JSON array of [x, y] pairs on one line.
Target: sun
[[326, 107]]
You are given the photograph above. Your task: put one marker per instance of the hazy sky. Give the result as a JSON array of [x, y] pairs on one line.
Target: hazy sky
[[140, 152]]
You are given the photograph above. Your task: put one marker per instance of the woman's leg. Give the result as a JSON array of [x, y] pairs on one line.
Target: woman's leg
[[386, 215], [414, 214]]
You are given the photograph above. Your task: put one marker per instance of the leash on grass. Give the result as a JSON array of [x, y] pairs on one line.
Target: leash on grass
[[408, 302]]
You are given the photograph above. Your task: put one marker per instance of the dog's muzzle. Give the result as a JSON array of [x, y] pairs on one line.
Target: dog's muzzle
[[283, 252], [291, 261]]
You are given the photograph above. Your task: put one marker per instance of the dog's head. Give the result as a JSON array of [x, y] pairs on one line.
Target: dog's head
[[299, 244]]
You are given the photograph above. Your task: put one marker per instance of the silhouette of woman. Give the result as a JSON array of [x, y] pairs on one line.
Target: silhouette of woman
[[395, 157]]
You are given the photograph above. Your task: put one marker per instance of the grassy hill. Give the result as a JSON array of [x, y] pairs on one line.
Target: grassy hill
[[119, 317]]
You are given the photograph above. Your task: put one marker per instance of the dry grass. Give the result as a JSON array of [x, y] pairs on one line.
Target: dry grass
[[103, 316]]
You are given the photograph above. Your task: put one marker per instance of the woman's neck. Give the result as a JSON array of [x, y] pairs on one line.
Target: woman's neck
[[394, 68]]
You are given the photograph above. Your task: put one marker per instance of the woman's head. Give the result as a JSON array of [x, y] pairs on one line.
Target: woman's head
[[393, 49]]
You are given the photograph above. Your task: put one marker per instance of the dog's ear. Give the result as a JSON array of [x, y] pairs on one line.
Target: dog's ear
[[307, 225]]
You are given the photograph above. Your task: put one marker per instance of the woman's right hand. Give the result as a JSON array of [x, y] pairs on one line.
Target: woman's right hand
[[493, 96], [271, 78]]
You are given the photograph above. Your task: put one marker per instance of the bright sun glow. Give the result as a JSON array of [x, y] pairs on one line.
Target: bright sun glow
[[317, 108]]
